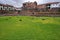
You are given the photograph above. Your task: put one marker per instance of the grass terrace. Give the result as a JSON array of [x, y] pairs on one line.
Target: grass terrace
[[29, 28]]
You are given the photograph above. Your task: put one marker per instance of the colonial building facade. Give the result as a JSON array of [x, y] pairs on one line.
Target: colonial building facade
[[6, 7]]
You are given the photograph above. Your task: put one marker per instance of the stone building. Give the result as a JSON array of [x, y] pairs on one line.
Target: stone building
[[33, 6], [47, 9], [29, 5]]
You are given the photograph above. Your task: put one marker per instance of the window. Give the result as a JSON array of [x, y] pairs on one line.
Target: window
[[5, 8], [1, 7]]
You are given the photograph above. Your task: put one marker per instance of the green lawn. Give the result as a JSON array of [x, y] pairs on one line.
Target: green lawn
[[29, 28]]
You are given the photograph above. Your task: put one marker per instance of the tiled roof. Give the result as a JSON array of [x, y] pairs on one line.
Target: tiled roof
[[6, 5], [53, 3], [50, 3]]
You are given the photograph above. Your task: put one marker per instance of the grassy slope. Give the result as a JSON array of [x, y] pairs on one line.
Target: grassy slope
[[30, 28]]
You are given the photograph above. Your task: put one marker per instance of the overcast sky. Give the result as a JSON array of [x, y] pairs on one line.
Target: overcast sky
[[18, 3]]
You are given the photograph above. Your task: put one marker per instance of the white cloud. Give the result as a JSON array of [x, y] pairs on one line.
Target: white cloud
[[10, 2]]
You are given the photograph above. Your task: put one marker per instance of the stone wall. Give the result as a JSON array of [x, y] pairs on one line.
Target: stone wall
[[25, 13]]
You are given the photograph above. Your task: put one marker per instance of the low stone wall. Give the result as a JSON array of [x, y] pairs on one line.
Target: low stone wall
[[40, 14], [8, 13], [47, 14], [27, 13]]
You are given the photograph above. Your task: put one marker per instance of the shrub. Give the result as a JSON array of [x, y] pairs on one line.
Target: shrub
[[43, 19], [20, 20]]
